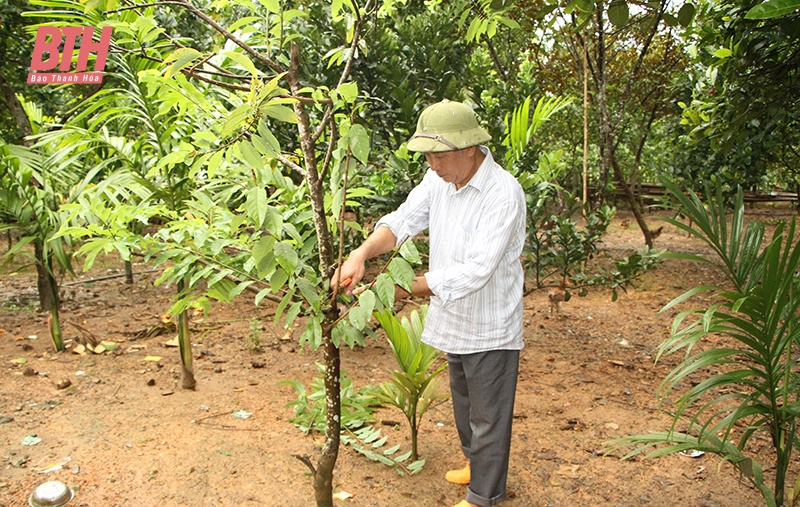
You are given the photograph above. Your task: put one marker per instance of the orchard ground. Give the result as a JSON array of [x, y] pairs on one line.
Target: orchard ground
[[125, 434]]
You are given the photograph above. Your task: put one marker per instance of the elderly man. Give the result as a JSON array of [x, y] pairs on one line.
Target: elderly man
[[475, 213]]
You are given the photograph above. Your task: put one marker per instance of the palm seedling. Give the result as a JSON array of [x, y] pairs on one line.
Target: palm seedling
[[414, 387], [751, 383]]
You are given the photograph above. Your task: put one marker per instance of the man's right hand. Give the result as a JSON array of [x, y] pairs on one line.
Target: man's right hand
[[349, 274], [381, 241]]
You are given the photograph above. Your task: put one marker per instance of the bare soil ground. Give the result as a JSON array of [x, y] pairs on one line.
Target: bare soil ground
[[127, 435]]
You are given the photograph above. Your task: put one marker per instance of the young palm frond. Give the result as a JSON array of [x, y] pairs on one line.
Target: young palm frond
[[413, 388]]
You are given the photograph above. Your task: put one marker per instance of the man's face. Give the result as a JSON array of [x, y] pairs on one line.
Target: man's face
[[451, 166]]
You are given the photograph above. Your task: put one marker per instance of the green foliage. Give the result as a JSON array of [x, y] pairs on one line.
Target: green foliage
[[773, 9], [31, 191], [520, 129], [486, 17], [564, 236], [254, 336], [357, 409], [309, 407], [753, 382], [745, 57], [368, 441], [414, 387]]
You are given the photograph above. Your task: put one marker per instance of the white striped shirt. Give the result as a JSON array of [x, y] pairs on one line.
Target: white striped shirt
[[476, 238]]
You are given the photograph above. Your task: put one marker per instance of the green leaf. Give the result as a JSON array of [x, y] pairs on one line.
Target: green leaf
[[358, 317], [416, 466], [359, 143], [286, 256], [723, 53], [278, 280], [256, 205], [348, 91], [773, 9], [261, 294], [686, 14], [408, 250], [273, 221], [292, 312], [181, 57], [236, 119], [391, 450], [262, 249], [282, 305], [384, 288], [670, 20], [213, 163], [510, 23], [312, 333], [402, 273], [281, 113], [309, 291], [367, 301], [242, 60], [267, 136], [252, 156], [273, 6], [618, 13]]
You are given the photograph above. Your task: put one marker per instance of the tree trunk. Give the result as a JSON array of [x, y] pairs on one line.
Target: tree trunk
[[634, 203], [128, 272], [323, 476], [45, 282], [323, 473], [185, 343], [16, 109], [606, 136], [586, 127]]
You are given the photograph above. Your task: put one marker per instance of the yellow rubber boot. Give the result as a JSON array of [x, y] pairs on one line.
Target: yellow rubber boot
[[463, 503], [459, 477]]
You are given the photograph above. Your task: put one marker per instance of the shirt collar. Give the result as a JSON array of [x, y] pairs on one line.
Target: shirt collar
[[482, 175]]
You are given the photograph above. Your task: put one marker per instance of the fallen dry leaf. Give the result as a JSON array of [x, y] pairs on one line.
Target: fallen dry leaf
[[343, 495], [570, 471]]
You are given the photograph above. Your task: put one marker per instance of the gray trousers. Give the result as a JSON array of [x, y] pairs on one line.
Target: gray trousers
[[483, 386]]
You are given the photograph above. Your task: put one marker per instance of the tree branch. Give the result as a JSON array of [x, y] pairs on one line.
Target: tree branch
[[219, 28], [222, 84], [495, 58], [328, 154], [292, 165], [307, 461]]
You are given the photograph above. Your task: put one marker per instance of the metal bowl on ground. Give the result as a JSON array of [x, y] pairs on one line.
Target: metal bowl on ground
[[50, 494]]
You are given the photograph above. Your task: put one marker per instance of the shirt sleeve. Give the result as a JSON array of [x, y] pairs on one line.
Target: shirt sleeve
[[412, 217], [500, 231]]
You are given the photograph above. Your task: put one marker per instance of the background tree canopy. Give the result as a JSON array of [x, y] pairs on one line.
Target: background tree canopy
[[698, 92]]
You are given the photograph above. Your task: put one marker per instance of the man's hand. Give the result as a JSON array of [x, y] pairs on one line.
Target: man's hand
[[350, 273], [382, 240]]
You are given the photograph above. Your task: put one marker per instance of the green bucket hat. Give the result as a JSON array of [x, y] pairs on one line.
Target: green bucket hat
[[447, 126]]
